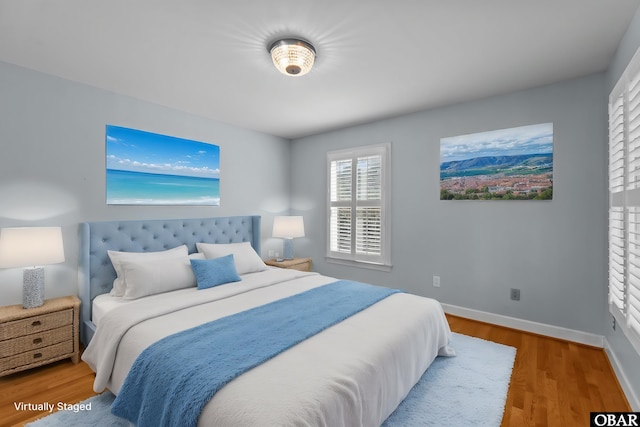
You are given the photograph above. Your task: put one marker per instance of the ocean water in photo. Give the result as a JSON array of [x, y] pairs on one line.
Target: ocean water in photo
[[139, 188]]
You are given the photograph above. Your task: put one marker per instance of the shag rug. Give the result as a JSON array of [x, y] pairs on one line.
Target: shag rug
[[469, 389]]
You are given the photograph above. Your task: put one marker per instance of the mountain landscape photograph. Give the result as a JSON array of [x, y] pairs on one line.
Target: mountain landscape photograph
[[506, 164]]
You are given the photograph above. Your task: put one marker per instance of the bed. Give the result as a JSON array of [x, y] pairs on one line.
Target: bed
[[354, 371]]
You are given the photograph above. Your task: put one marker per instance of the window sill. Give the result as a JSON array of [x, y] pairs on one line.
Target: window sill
[[360, 264]]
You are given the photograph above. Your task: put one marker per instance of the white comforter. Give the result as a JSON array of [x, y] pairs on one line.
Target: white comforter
[[352, 374]]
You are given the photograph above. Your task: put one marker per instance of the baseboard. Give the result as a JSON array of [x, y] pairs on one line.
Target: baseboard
[[624, 382], [527, 326]]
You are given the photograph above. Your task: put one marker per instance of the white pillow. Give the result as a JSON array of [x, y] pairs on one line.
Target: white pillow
[[119, 284], [197, 255], [149, 277], [245, 257]]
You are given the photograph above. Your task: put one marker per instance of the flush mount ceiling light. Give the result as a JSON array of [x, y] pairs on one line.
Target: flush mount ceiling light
[[293, 57]]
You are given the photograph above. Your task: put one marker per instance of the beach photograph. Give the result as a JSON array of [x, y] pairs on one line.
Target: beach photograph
[[505, 164], [144, 168]]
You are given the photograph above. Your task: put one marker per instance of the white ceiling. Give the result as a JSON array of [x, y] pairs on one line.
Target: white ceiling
[[376, 58]]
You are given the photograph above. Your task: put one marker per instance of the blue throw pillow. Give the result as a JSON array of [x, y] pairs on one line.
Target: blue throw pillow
[[214, 272]]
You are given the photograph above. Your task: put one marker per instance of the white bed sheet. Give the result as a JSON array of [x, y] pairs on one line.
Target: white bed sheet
[[344, 376], [104, 303]]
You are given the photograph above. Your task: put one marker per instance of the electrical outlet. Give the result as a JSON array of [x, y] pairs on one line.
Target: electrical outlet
[[436, 281], [515, 294]]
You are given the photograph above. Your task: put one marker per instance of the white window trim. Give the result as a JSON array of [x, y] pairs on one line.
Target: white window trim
[[624, 202], [384, 264]]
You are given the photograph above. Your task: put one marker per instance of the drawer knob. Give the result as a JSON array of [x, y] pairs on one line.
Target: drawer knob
[[37, 355], [36, 323], [37, 340]]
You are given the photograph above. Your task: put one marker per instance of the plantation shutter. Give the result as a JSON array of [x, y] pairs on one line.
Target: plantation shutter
[[624, 202], [633, 199], [340, 216], [358, 210], [617, 241], [368, 210]]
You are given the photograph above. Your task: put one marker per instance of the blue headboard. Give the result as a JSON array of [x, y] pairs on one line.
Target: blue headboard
[[96, 274]]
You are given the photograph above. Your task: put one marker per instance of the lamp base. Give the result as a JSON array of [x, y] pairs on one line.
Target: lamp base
[[288, 249], [33, 287]]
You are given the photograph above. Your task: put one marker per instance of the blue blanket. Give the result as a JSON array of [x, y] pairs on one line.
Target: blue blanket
[[173, 379]]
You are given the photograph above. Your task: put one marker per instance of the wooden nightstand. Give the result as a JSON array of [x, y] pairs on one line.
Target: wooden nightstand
[[302, 264], [37, 336]]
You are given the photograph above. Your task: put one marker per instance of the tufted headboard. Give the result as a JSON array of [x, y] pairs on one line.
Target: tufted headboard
[[96, 274]]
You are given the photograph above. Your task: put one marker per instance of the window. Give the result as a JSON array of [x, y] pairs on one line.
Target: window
[[624, 202], [358, 206]]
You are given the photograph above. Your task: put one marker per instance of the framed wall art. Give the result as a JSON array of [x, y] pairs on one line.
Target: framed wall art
[[144, 168], [506, 164]]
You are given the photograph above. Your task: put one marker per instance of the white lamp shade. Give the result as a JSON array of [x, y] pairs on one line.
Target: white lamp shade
[[288, 227], [30, 246]]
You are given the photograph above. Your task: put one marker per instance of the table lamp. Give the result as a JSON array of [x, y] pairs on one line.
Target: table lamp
[[288, 228], [32, 248]]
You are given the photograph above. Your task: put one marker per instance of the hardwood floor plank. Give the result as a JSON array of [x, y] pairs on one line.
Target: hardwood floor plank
[[553, 383], [59, 382]]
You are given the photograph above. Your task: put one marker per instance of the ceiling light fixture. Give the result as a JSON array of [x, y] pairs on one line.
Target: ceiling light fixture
[[293, 57]]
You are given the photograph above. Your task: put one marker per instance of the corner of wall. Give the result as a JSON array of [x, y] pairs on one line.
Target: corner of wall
[[623, 379]]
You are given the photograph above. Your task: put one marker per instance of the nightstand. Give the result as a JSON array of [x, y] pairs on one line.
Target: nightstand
[[302, 264], [37, 336]]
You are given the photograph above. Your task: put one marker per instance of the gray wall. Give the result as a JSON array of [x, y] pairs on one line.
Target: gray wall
[[620, 347], [554, 251], [52, 165]]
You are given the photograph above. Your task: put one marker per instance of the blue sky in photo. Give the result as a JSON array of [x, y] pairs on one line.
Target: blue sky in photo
[[140, 151], [534, 139]]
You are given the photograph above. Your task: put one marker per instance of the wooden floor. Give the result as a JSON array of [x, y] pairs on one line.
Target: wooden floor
[[554, 382]]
